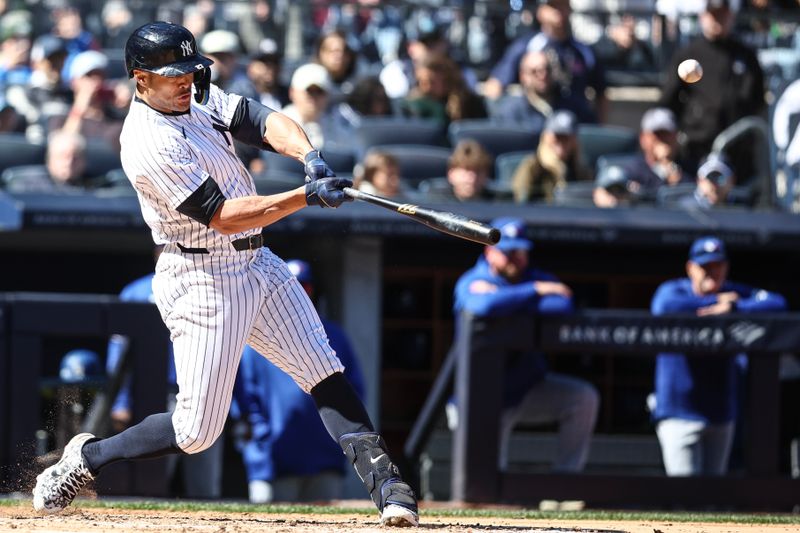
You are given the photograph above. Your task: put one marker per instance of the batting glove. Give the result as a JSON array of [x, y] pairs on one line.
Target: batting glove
[[327, 192], [316, 167]]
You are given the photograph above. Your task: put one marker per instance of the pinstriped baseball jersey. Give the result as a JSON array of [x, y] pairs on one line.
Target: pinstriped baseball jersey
[[168, 156], [216, 301]]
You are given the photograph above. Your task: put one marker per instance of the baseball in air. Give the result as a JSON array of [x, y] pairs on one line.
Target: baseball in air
[[690, 71]]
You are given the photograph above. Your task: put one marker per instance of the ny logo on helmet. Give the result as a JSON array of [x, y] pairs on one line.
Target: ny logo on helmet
[[186, 48]]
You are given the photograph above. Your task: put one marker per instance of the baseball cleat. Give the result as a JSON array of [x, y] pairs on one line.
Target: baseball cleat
[[58, 485], [399, 507], [397, 516]]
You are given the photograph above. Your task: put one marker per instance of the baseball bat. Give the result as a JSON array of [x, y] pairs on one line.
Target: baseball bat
[[450, 223]]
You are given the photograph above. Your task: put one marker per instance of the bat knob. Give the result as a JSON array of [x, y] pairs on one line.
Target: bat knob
[[494, 236]]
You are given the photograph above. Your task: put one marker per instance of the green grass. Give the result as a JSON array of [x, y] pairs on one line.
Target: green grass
[[233, 507]]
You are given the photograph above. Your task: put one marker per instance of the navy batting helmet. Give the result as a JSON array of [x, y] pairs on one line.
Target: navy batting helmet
[[78, 365], [165, 49], [301, 270]]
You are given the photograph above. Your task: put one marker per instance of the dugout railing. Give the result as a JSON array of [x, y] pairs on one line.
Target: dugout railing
[[475, 362], [29, 322]]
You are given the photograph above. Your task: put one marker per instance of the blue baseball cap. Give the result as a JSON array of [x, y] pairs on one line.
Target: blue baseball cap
[[301, 270], [707, 250], [512, 234]]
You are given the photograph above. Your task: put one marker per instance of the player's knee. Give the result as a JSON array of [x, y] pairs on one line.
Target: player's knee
[[198, 441]]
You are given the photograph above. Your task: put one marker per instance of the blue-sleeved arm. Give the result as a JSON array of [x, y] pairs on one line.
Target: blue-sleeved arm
[[507, 68], [116, 346], [502, 301], [676, 296], [555, 304], [752, 300]]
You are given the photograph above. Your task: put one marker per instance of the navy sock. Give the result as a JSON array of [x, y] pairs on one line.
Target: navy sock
[[339, 407], [152, 437]]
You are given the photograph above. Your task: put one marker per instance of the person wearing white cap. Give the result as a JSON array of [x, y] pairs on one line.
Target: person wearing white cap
[[91, 113], [656, 165], [223, 48], [715, 180], [309, 93]]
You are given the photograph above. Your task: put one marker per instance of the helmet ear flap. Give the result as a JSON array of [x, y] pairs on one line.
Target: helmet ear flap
[[202, 85]]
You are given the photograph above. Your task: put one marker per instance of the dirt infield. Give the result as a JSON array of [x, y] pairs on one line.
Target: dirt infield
[[21, 518]]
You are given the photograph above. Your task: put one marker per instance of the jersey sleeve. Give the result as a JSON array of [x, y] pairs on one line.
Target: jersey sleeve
[[223, 104], [173, 170]]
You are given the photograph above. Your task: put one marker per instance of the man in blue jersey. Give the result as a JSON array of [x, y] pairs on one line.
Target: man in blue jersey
[[696, 397], [288, 454], [201, 473], [503, 284]]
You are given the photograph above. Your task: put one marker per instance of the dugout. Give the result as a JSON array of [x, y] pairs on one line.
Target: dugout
[[389, 280]]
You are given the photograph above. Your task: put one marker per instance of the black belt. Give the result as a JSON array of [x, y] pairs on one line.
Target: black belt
[[253, 242]]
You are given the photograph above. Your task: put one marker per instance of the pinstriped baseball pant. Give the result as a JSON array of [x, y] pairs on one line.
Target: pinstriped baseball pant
[[214, 304]]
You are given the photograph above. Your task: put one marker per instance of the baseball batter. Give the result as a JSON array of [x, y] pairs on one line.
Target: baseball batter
[[216, 285]]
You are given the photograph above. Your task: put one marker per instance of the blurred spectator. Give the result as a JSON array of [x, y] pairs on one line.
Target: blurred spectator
[[196, 18], [696, 398], [441, 94], [222, 47], [93, 112], [64, 169], [68, 25], [399, 75], [258, 29], [118, 24], [619, 48], [574, 64], [10, 120], [614, 187], [732, 86], [657, 165], [380, 174], [467, 175], [785, 125], [367, 99], [46, 96], [556, 162], [201, 472], [287, 452], [15, 47], [503, 283], [715, 180], [308, 93], [541, 96], [340, 61], [264, 72], [66, 159]]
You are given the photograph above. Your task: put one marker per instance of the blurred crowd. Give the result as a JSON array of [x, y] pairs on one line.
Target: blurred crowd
[[437, 101]]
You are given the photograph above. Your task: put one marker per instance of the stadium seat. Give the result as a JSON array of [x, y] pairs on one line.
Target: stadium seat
[[575, 194], [340, 159], [101, 158], [16, 150], [275, 181], [392, 130], [672, 196], [417, 162], [495, 137], [596, 140], [505, 165], [27, 179]]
